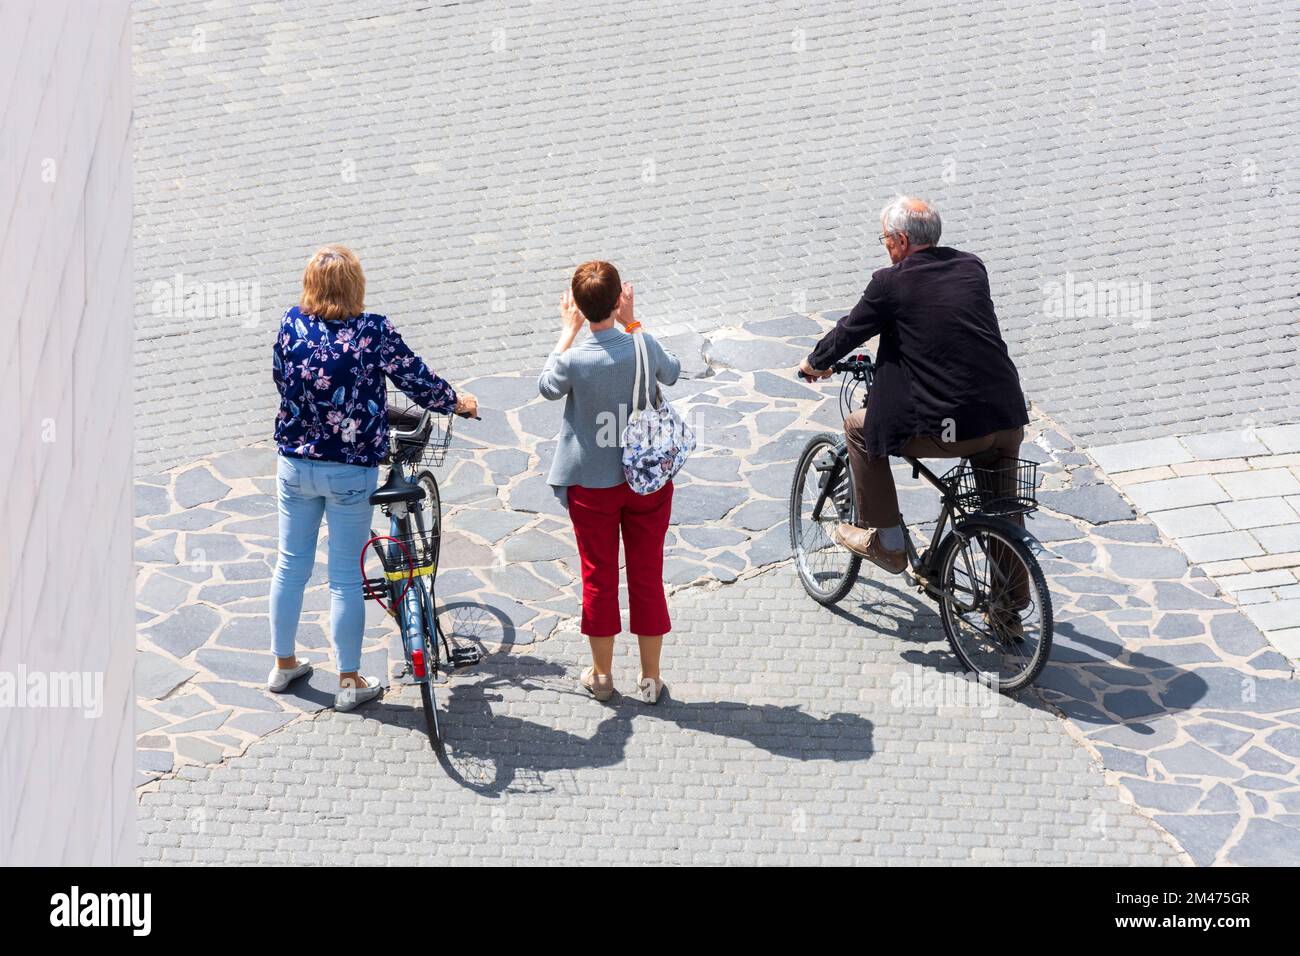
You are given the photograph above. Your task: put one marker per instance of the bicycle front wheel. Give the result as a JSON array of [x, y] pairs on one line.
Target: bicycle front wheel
[[828, 572], [994, 603]]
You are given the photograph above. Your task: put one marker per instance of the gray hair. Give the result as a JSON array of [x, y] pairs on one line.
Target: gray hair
[[914, 218]]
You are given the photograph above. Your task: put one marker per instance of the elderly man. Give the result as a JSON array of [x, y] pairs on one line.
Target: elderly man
[[945, 386]]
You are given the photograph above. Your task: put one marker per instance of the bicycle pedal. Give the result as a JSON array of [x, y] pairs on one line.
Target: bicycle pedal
[[465, 656]]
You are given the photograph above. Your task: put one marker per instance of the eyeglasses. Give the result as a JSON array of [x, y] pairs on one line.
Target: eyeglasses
[[883, 238]]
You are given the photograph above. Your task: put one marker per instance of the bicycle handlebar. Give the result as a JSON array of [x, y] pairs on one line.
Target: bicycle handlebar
[[860, 364]]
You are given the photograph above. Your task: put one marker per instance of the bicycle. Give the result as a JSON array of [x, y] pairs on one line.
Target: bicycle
[[408, 554], [982, 573]]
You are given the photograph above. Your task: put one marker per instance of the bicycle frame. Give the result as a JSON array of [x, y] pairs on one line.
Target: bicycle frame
[[949, 512], [414, 609]]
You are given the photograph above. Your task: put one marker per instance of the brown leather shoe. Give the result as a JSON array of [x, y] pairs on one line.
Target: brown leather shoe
[[865, 543], [1006, 624]]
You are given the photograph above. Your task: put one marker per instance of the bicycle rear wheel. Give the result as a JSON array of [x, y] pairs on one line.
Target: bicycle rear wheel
[[828, 572], [994, 603], [429, 698]]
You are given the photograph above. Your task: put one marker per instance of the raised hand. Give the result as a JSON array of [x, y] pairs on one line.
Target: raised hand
[[570, 315]]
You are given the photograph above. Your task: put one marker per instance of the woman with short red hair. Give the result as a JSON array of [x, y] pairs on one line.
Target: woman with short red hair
[[595, 378]]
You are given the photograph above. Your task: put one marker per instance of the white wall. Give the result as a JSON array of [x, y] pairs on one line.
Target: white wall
[[66, 573]]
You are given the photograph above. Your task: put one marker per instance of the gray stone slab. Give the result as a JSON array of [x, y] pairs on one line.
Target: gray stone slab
[[760, 515], [243, 666], [157, 676], [1237, 443], [246, 633], [260, 724], [197, 486], [541, 420], [697, 504], [688, 347], [1174, 626], [162, 593], [1172, 596], [1194, 760], [203, 722], [1202, 835], [507, 462], [151, 500], [785, 327], [518, 583], [161, 551], [1137, 563], [1237, 635], [206, 547], [198, 749], [254, 506], [251, 462], [1049, 529], [748, 355], [502, 393], [1095, 504], [1266, 843], [713, 467], [193, 519], [1162, 796], [181, 633], [492, 525], [786, 386], [535, 546], [536, 496], [708, 537], [240, 695]]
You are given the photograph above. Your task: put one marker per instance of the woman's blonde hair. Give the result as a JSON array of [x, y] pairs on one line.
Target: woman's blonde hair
[[333, 285]]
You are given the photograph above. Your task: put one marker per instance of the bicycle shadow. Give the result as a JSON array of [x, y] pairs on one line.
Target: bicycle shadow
[[1094, 677]]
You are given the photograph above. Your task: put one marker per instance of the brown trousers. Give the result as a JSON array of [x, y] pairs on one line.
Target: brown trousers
[[873, 482]]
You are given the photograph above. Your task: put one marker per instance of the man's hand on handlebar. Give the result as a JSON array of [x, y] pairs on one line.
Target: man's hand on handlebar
[[466, 405], [808, 373]]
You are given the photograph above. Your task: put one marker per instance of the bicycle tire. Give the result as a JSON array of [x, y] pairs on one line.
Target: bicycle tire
[[832, 591], [1017, 540], [431, 727], [431, 507]]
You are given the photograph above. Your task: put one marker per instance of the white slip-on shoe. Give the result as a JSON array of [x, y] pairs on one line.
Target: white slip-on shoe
[[350, 697], [650, 688], [278, 681]]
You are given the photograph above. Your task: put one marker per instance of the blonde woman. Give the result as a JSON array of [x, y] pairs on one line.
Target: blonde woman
[[329, 362]]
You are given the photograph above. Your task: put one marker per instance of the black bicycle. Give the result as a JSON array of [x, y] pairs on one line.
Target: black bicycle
[[993, 599], [408, 554]]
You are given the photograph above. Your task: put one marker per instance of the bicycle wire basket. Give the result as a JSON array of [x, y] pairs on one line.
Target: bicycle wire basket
[[407, 555], [428, 448], [1007, 488]]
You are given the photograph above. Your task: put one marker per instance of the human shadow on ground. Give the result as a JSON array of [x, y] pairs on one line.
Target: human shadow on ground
[[490, 751]]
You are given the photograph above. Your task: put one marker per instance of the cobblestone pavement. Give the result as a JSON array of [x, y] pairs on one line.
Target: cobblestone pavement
[[1231, 501], [811, 742], [1161, 677], [1125, 170]]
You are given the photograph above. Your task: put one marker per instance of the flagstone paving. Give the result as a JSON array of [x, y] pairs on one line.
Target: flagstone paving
[[1231, 501], [1156, 673]]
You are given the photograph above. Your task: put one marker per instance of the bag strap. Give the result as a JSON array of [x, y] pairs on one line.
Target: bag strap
[[636, 383], [642, 362]]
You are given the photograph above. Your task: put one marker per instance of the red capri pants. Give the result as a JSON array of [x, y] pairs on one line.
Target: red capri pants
[[598, 515]]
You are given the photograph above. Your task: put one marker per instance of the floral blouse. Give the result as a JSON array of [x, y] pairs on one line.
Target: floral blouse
[[333, 402]]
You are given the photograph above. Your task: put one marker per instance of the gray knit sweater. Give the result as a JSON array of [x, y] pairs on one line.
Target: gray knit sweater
[[596, 378]]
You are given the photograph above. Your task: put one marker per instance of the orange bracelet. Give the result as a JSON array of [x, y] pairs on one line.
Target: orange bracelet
[[633, 327]]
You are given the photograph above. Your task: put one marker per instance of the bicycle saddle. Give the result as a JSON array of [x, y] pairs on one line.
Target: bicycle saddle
[[396, 489]]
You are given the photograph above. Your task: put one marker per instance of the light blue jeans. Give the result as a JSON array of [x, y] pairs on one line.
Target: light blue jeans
[[307, 491]]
